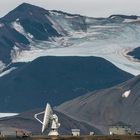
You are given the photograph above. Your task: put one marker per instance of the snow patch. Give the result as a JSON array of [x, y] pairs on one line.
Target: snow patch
[[126, 94], [55, 13], [17, 26], [15, 52], [1, 25], [56, 26], [131, 20], [2, 66], [30, 35], [2, 115], [27, 56], [17, 19], [7, 71], [70, 17]]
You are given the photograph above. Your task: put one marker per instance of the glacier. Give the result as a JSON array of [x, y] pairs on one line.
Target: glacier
[[111, 41]]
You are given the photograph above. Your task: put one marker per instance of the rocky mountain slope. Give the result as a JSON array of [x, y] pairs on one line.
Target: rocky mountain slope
[[55, 80], [28, 25], [106, 107], [35, 24]]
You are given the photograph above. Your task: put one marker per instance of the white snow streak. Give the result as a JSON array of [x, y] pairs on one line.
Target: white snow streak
[[2, 115], [131, 20], [126, 94], [16, 25], [2, 66], [7, 71], [56, 26]]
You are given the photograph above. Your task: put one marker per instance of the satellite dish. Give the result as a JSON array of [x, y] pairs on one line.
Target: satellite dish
[[49, 118]]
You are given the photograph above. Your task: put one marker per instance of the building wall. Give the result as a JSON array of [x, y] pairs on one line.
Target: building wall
[[75, 132], [119, 130]]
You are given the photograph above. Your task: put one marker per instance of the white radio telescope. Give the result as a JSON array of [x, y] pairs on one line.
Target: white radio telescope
[[49, 118]]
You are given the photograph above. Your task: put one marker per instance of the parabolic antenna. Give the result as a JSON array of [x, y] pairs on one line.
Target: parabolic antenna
[[49, 118], [47, 115]]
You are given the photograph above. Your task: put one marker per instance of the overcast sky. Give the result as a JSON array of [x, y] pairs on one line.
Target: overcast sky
[[94, 8]]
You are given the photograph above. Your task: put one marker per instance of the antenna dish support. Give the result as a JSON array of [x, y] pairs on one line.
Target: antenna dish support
[[36, 117], [49, 118]]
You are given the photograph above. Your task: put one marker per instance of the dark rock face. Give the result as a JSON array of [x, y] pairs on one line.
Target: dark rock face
[[106, 107], [135, 53], [26, 121], [34, 21], [8, 38], [56, 80]]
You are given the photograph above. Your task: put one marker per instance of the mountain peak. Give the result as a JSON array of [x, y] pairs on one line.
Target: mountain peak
[[27, 6], [24, 10]]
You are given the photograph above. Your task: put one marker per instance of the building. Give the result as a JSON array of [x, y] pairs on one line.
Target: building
[[120, 129], [75, 132], [91, 133]]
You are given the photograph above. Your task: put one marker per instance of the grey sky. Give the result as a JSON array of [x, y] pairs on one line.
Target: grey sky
[[94, 8]]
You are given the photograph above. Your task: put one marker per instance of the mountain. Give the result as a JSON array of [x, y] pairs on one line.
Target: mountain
[[55, 80], [32, 21], [25, 26], [26, 122], [28, 32], [109, 106]]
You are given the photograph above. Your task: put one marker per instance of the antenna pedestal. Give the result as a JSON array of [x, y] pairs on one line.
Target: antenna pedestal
[[53, 132], [55, 126]]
